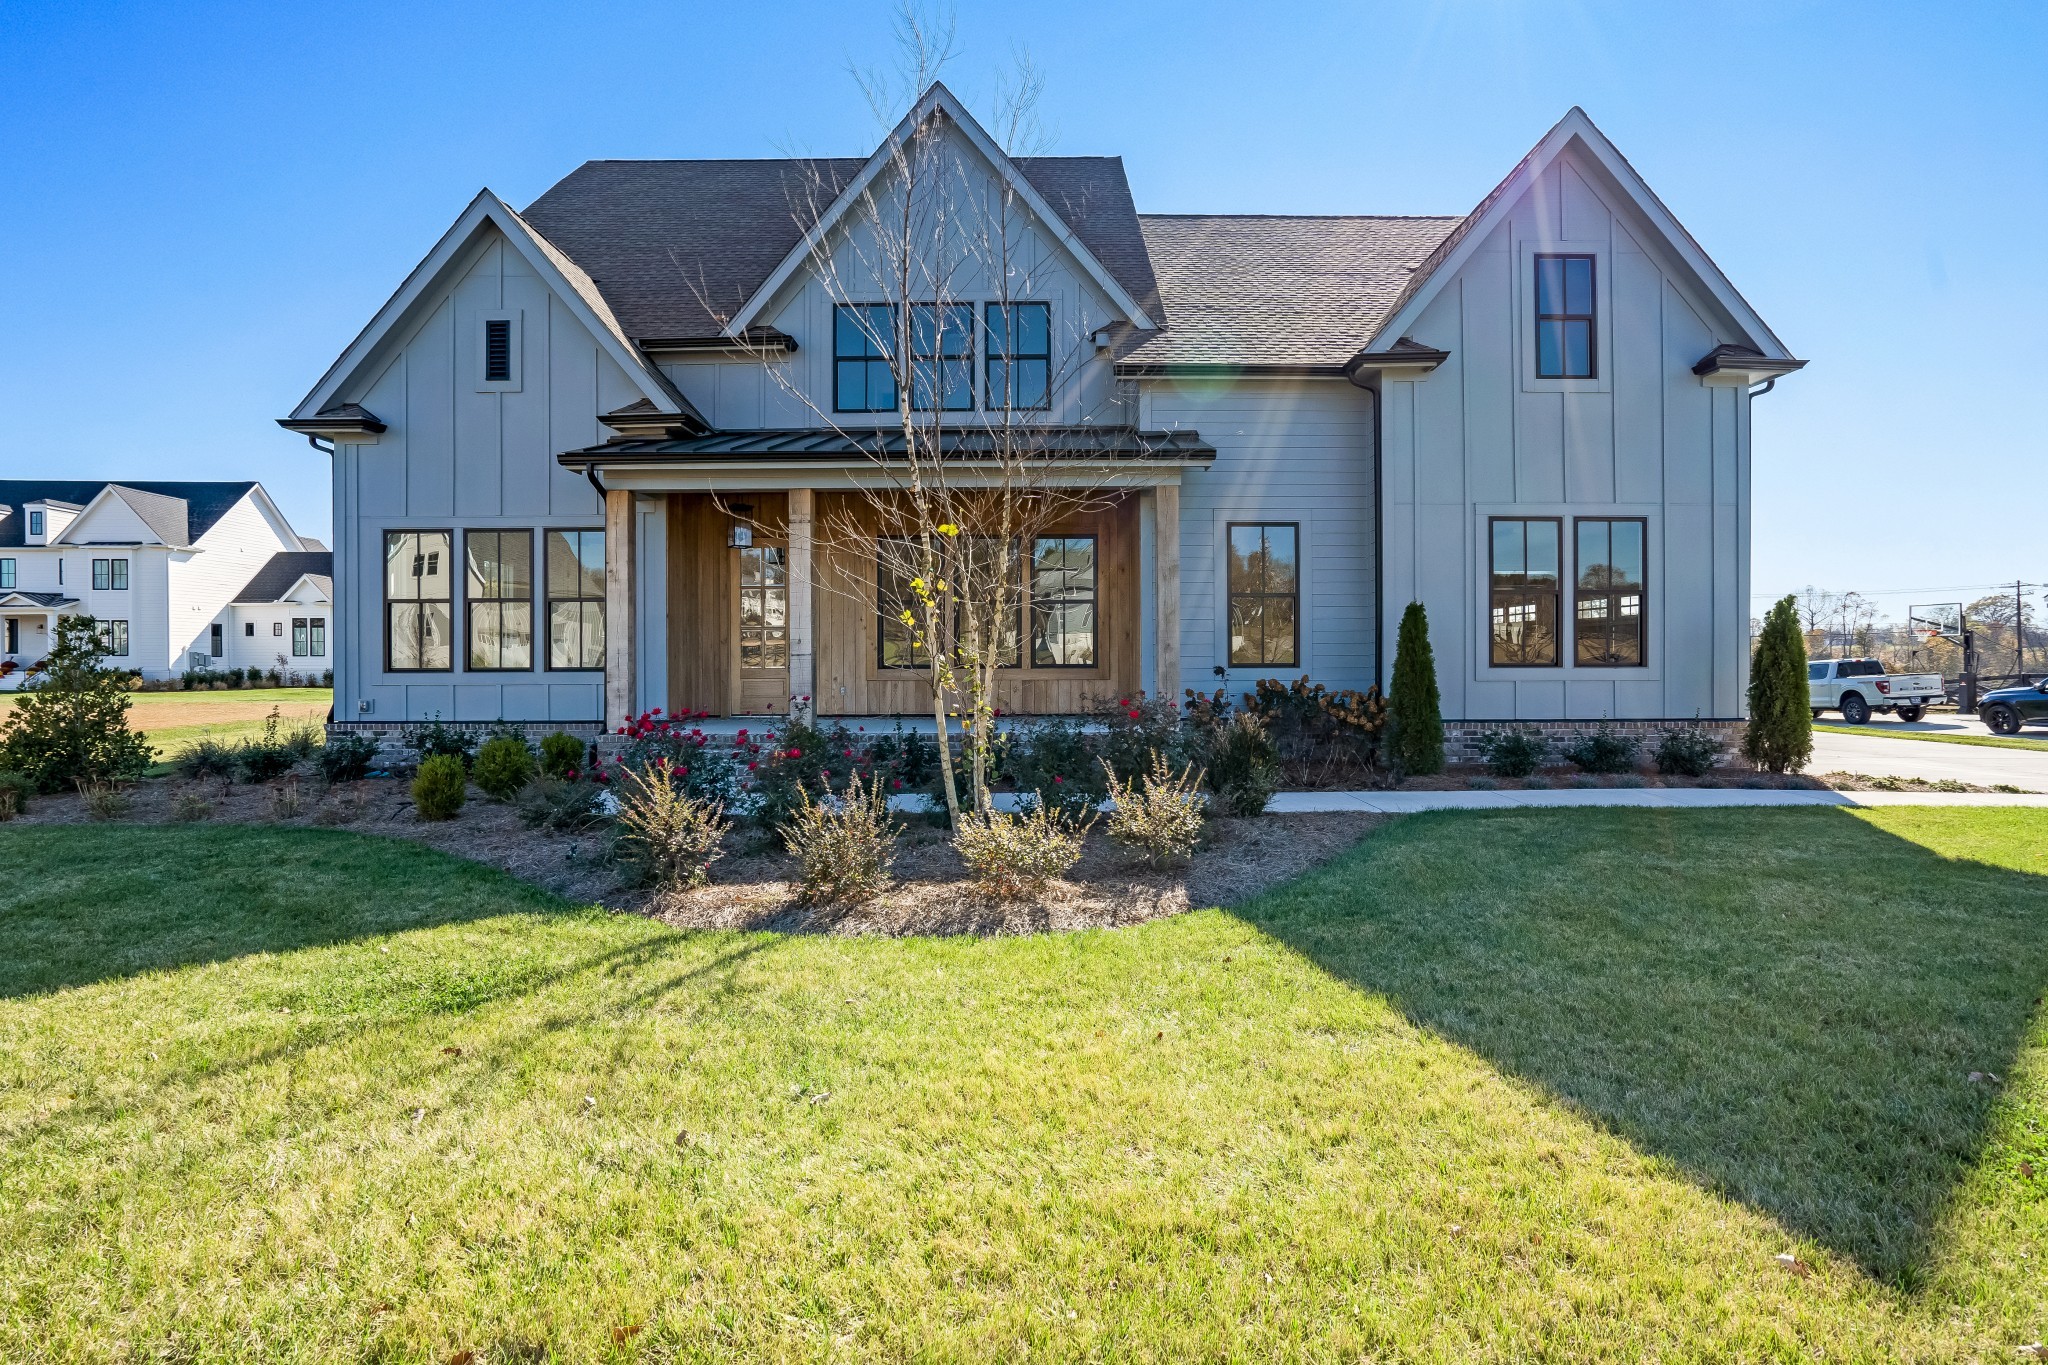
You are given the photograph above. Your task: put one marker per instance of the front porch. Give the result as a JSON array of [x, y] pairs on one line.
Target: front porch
[[750, 601], [28, 627]]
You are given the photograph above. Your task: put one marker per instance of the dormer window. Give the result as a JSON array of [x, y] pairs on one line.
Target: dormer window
[[35, 522], [1565, 342]]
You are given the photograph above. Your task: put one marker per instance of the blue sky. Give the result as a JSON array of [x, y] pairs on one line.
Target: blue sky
[[201, 204]]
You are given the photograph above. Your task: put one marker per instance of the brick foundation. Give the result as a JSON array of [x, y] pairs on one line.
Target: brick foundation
[[1461, 737], [390, 734]]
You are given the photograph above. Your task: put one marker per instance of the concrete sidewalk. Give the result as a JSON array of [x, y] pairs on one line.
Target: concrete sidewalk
[[1652, 798]]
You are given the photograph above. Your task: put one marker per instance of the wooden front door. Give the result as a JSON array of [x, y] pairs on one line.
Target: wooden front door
[[763, 608]]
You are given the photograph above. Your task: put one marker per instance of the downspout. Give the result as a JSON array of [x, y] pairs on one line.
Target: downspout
[[314, 441], [1379, 553], [590, 473], [1769, 384]]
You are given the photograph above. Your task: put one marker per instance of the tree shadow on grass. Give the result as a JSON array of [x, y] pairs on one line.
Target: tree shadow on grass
[[97, 903], [1787, 1004]]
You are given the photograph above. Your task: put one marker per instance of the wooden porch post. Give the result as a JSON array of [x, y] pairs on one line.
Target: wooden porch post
[[803, 669], [1166, 583], [619, 551]]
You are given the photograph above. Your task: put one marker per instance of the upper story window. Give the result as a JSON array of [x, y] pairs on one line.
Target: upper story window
[[1566, 347], [6, 573], [1019, 341], [1525, 584], [1608, 616], [863, 342], [35, 522], [1265, 595], [110, 575], [942, 357]]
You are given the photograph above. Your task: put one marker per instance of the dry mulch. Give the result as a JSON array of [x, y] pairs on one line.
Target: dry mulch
[[752, 886]]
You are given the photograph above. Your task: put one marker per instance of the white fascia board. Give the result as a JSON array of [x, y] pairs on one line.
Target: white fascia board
[[548, 263], [63, 537], [938, 99], [1576, 125]]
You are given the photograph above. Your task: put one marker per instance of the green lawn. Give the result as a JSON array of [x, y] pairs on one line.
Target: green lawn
[[172, 720], [1529, 1085], [1983, 741]]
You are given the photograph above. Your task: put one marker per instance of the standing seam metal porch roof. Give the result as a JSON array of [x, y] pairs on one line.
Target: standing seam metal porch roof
[[966, 443]]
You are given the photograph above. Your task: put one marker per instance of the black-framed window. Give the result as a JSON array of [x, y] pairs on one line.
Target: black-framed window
[[215, 645], [309, 637], [498, 601], [942, 357], [114, 638], [863, 344], [1612, 595], [6, 573], [1566, 342], [1064, 587], [1525, 577], [12, 644], [897, 641], [35, 523], [1265, 594], [110, 575], [1019, 344], [419, 605], [575, 593], [249, 630]]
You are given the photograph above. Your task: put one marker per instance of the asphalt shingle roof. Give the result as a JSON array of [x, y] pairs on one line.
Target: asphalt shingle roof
[[204, 504], [1262, 289], [276, 577]]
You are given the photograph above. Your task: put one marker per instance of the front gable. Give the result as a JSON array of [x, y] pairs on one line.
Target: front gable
[[114, 518]]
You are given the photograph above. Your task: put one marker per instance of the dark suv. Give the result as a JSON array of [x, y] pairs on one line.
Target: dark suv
[[2007, 709]]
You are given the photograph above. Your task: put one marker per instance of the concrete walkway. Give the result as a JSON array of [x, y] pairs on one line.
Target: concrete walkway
[[1652, 798]]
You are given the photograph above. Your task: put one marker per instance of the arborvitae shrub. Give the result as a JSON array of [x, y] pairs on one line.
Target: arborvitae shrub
[[1780, 734], [1414, 708]]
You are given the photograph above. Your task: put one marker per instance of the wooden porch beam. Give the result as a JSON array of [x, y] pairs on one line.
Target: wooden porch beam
[[803, 666]]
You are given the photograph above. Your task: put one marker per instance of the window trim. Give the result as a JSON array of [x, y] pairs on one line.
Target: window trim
[[1643, 612], [883, 358], [37, 520], [470, 604], [384, 591], [7, 574], [1028, 642], [1564, 569], [216, 642], [113, 571], [1010, 358], [1591, 317], [1300, 625], [547, 601]]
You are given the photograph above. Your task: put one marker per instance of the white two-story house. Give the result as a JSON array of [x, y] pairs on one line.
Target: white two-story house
[[164, 568], [1533, 418]]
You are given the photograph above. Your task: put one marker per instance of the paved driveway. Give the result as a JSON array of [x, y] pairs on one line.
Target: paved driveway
[[1976, 764]]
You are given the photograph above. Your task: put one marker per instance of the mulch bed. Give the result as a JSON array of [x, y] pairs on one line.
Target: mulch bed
[[752, 886]]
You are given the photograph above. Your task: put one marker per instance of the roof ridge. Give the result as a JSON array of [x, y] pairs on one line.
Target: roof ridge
[[1335, 217]]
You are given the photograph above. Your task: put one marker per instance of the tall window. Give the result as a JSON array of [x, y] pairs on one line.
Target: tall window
[[498, 592], [419, 605], [863, 340], [1063, 591], [215, 646], [1019, 342], [1525, 592], [110, 575], [1608, 625], [575, 599], [1565, 342], [114, 638], [896, 640], [6, 573], [942, 356], [764, 607], [309, 637], [35, 523], [1265, 595]]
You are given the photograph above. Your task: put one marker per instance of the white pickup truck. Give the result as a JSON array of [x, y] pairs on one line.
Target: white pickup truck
[[1856, 687]]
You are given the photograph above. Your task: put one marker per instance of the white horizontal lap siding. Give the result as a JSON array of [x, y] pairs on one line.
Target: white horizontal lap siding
[[1479, 437], [205, 579], [457, 456], [1286, 451]]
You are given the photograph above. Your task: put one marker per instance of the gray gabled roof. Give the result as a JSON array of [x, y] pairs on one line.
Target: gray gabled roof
[[1272, 290], [675, 247], [179, 513], [276, 578]]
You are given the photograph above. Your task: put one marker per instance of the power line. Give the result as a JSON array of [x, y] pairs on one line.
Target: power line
[[1906, 592]]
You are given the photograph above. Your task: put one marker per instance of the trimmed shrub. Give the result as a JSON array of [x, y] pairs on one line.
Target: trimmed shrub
[[440, 788], [667, 837], [206, 757], [561, 754], [15, 789], [1162, 819], [1512, 753], [845, 844], [1414, 709], [1244, 765], [1055, 761], [503, 766], [1690, 751], [1780, 734], [268, 758], [435, 740], [566, 805], [1603, 751], [347, 757], [1013, 857], [69, 724]]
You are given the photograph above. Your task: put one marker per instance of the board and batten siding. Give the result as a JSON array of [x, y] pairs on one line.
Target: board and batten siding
[[460, 455], [1482, 436], [1295, 450]]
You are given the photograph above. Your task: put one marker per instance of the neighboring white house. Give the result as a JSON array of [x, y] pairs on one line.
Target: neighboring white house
[[161, 566], [1533, 418]]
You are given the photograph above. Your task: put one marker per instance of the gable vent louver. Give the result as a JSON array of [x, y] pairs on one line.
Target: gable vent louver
[[498, 351]]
